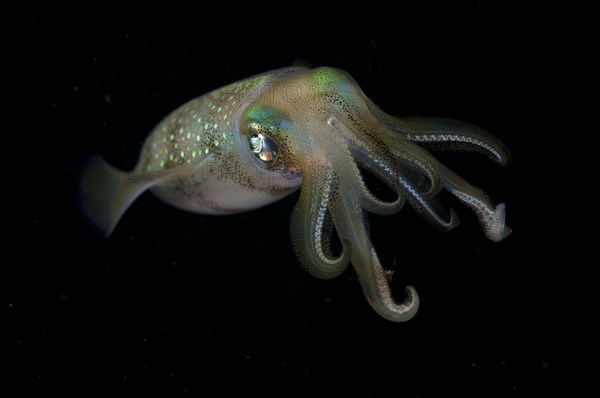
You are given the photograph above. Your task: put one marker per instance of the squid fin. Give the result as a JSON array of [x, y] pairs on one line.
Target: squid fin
[[105, 192]]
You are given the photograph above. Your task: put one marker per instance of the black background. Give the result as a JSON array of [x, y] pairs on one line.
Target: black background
[[177, 302]]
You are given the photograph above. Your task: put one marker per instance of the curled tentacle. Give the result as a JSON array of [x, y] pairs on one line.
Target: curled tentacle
[[311, 227], [375, 283], [374, 280], [372, 276], [491, 217], [385, 173], [334, 135], [440, 133], [416, 157], [354, 154], [447, 131], [430, 208], [444, 134], [399, 148]]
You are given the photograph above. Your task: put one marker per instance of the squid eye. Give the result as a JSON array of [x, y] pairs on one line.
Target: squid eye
[[263, 147]]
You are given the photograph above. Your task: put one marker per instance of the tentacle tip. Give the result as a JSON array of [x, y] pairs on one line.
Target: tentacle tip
[[454, 219], [495, 228], [502, 160], [391, 310], [410, 305]]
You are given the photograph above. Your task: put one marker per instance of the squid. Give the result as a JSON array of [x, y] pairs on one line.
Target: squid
[[255, 141]]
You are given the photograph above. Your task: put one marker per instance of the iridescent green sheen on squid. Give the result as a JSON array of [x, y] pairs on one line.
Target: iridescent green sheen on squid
[[253, 142]]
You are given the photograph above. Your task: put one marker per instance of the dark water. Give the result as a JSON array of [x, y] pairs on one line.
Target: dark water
[[176, 302]]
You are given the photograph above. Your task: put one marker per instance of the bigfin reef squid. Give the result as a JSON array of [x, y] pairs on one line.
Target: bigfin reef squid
[[255, 141]]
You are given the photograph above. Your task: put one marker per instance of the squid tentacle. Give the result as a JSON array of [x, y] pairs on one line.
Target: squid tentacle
[[375, 282], [372, 276], [413, 155], [386, 174], [327, 235], [441, 133], [369, 201], [429, 207], [311, 228], [491, 217], [401, 150], [442, 217], [336, 185]]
